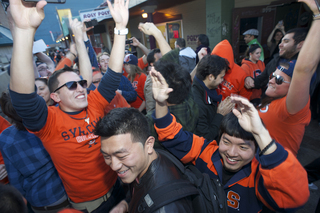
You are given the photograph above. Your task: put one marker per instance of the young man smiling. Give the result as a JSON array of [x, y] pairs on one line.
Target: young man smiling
[[289, 49], [254, 169], [67, 131], [127, 147]]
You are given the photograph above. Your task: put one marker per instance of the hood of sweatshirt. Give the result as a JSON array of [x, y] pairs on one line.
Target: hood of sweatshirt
[[224, 50], [188, 52]]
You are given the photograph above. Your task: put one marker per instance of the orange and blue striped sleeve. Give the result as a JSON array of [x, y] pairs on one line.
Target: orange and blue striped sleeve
[[184, 145], [282, 182]]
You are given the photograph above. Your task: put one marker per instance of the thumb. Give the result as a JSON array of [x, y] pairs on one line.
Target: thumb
[[236, 113], [40, 5]]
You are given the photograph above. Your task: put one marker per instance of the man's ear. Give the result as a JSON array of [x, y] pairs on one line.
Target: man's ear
[[211, 77], [299, 46], [55, 97], [149, 144]]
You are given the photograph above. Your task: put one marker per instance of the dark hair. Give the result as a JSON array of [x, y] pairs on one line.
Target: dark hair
[[11, 200], [252, 48], [275, 32], [181, 42], [230, 125], [300, 34], [211, 64], [53, 80], [8, 110], [150, 56], [178, 79], [204, 40], [44, 80], [122, 121]]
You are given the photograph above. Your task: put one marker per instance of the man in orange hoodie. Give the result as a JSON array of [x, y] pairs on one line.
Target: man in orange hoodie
[[234, 78]]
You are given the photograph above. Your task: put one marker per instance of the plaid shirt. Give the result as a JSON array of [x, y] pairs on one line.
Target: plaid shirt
[[30, 168], [186, 113]]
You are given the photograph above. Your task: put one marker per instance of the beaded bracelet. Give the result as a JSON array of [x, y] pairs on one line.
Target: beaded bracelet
[[267, 147]]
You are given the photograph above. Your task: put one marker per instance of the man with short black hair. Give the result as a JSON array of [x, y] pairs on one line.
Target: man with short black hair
[[289, 49], [11, 200], [210, 72], [127, 147], [250, 37]]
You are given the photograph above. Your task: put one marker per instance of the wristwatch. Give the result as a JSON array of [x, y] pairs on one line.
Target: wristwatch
[[121, 32]]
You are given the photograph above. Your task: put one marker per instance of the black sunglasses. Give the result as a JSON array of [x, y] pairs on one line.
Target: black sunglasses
[[279, 79], [72, 85]]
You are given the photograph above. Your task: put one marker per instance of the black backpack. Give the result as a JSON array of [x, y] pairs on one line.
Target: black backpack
[[207, 193]]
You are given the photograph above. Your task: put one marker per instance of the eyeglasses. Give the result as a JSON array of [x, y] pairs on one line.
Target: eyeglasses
[[72, 85], [279, 79]]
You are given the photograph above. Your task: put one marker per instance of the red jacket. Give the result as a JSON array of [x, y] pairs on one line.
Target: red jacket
[[234, 78], [253, 70]]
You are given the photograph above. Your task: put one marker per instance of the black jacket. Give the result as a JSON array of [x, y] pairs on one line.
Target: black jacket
[[160, 171], [209, 120]]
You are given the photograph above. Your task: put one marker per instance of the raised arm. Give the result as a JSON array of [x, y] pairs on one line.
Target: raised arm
[[274, 160], [46, 59], [161, 91], [91, 52], [145, 50], [307, 62], [24, 20], [84, 61], [278, 26], [120, 14], [250, 121], [150, 29]]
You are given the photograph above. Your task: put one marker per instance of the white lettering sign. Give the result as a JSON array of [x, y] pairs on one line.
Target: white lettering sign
[[99, 14]]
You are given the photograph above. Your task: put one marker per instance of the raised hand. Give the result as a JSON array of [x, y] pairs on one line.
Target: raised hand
[[203, 52], [85, 28], [135, 42], [77, 28], [160, 87], [148, 28], [120, 13], [23, 15], [247, 115]]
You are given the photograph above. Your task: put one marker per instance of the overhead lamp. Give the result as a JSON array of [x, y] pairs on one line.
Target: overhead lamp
[[144, 15]]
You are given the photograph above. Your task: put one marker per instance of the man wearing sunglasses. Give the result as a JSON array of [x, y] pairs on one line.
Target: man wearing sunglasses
[[289, 49], [285, 112], [67, 130]]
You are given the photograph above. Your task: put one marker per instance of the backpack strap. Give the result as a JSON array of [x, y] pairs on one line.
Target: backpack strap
[[163, 195], [173, 159]]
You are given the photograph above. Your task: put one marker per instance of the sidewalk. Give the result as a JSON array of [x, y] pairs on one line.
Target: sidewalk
[[310, 150]]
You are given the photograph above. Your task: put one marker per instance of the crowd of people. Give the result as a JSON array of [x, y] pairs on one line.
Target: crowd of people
[[85, 128]]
